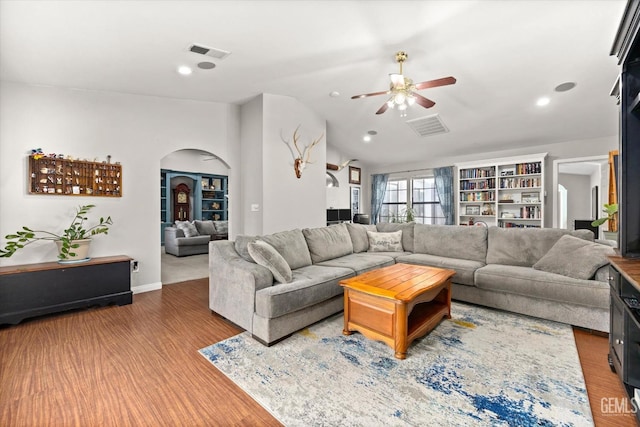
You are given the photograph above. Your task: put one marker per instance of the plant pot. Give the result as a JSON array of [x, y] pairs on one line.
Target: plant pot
[[81, 252]]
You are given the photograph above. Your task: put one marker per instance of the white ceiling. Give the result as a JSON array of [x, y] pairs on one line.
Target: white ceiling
[[504, 54]]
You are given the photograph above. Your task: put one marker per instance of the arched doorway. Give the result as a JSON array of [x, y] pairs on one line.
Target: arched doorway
[[201, 179]]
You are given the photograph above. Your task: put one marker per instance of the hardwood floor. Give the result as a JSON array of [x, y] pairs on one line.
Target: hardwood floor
[[135, 365], [138, 365], [603, 386]]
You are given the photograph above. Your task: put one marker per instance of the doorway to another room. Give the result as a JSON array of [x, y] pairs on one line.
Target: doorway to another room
[[193, 187], [579, 192]]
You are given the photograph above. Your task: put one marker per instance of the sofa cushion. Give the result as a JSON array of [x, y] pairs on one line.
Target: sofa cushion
[[407, 232], [359, 238], [222, 227], [525, 246], [360, 262], [265, 255], [529, 282], [574, 257], [310, 285], [464, 268], [292, 246], [452, 241], [205, 227], [188, 228], [328, 242], [385, 242], [241, 245]]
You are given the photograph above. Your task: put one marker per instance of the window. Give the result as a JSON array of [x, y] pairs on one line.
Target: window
[[425, 201], [395, 201], [419, 193]]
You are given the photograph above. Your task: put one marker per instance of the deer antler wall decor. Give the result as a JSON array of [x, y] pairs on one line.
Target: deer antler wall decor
[[304, 155]]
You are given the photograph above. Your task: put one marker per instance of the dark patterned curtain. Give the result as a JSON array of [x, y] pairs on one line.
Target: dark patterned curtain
[[378, 188], [444, 187]]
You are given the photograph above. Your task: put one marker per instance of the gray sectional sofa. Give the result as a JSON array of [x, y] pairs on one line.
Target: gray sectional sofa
[[200, 233], [549, 273]]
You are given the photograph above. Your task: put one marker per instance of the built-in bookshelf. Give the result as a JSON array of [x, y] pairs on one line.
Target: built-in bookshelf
[[507, 192], [209, 195]]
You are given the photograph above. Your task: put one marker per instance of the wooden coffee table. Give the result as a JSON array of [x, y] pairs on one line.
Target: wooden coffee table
[[397, 304]]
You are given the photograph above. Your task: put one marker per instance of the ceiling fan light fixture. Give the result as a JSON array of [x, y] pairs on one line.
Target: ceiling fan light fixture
[[411, 100], [399, 98]]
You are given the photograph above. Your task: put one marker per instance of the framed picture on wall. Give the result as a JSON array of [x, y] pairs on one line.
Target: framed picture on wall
[[355, 200], [472, 210], [354, 175]]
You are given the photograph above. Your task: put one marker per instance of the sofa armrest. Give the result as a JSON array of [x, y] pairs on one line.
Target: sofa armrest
[[602, 274], [171, 235], [233, 283]]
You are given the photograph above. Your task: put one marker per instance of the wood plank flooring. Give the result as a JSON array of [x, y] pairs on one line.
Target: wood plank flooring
[[138, 365]]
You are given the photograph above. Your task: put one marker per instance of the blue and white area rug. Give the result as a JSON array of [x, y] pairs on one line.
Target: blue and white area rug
[[482, 367]]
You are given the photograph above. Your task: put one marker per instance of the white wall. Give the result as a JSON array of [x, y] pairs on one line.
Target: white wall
[[272, 198], [578, 197], [251, 153], [137, 131]]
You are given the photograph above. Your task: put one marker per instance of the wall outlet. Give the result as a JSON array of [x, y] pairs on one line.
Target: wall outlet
[[255, 207], [135, 267]]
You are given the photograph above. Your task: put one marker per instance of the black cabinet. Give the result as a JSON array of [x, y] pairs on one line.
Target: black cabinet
[[36, 289], [626, 47], [624, 334]]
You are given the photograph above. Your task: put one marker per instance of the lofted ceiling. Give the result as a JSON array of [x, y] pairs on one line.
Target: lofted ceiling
[[504, 54]]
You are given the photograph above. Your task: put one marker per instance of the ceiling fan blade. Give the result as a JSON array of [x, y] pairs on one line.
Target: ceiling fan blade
[[397, 81], [383, 108], [425, 102], [435, 83], [386, 92]]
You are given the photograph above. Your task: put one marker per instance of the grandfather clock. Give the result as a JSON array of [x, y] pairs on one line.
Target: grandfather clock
[[181, 202]]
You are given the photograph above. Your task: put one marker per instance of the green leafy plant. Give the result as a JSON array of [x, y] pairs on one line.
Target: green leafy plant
[[406, 215], [611, 211], [75, 231]]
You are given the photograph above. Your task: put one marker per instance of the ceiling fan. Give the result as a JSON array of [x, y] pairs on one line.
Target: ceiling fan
[[403, 90]]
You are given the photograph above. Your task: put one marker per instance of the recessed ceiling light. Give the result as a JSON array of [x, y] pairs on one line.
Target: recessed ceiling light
[[366, 138], [334, 94], [541, 102], [184, 70], [206, 65], [563, 87]]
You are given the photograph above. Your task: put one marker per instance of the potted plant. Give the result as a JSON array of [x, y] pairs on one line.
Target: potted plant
[[73, 242], [406, 215], [611, 210]]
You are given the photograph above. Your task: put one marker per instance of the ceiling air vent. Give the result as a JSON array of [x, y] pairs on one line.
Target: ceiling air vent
[[209, 51], [428, 126]]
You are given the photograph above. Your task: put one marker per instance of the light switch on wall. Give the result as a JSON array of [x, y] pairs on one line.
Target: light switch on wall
[[255, 207]]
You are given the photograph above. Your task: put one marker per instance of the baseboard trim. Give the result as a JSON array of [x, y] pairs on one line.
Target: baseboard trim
[[146, 288]]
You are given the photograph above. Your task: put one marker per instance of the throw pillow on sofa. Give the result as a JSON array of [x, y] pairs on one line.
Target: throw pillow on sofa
[[385, 242], [222, 227], [359, 238], [265, 255], [188, 228], [242, 246], [292, 246], [574, 257], [205, 227], [405, 227]]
